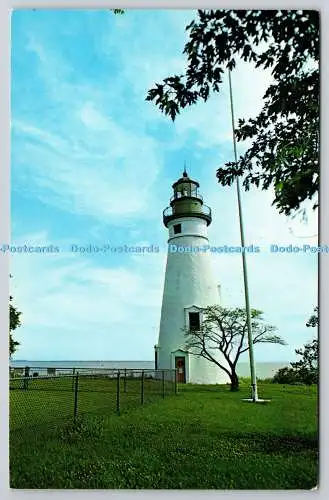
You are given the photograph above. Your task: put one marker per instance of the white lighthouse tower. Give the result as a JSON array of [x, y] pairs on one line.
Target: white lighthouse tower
[[189, 285]]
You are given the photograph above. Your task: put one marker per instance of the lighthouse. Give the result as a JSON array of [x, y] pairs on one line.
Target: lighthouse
[[189, 285]]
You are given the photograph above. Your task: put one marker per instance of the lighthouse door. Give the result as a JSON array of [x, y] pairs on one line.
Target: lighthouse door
[[180, 367]]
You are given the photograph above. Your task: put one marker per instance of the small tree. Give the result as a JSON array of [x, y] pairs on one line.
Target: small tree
[[304, 371], [285, 375], [314, 319], [14, 322], [224, 330], [307, 367]]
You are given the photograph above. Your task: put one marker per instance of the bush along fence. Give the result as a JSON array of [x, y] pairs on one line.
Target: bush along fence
[[45, 401]]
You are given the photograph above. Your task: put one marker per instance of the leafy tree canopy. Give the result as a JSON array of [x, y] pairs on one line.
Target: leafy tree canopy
[[305, 370], [14, 322], [314, 319], [285, 135], [308, 364]]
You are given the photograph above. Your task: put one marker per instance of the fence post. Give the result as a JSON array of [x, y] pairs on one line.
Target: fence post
[[118, 392], [73, 379], [76, 386], [163, 384], [125, 382], [142, 388], [26, 378], [175, 379]]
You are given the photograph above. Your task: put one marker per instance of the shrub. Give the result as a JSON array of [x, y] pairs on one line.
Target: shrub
[[286, 375]]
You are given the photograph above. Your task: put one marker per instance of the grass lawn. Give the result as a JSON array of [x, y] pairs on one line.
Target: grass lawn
[[203, 438], [49, 402]]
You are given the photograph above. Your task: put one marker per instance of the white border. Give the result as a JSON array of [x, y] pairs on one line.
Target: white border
[[5, 9]]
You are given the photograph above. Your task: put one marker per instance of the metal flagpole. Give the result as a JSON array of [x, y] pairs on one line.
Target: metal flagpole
[[254, 394]]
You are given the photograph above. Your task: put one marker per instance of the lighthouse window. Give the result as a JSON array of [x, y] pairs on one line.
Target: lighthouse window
[[194, 319], [177, 228]]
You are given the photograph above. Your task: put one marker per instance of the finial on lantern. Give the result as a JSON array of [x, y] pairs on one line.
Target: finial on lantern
[[185, 173]]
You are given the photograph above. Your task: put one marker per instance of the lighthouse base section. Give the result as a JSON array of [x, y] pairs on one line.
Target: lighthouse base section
[[203, 371], [191, 368]]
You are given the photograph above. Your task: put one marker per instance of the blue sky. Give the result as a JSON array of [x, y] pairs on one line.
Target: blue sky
[[93, 162]]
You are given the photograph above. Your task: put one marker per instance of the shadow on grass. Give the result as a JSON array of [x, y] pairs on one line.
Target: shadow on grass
[[289, 444], [271, 445]]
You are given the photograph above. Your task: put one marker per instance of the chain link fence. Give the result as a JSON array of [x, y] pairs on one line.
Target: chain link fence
[[41, 400]]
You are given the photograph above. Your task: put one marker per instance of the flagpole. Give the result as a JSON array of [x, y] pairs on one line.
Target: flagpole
[[254, 394]]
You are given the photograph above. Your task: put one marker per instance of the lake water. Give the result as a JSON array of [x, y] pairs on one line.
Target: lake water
[[264, 370]]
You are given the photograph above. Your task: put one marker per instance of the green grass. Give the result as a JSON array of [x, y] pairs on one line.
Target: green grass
[[205, 437], [49, 402]]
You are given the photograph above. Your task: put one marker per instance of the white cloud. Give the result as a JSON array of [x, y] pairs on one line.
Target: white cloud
[[77, 296], [92, 118], [82, 183], [211, 121], [284, 286], [82, 162]]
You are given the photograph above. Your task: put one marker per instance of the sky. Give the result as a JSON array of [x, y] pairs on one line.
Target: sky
[[92, 163]]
